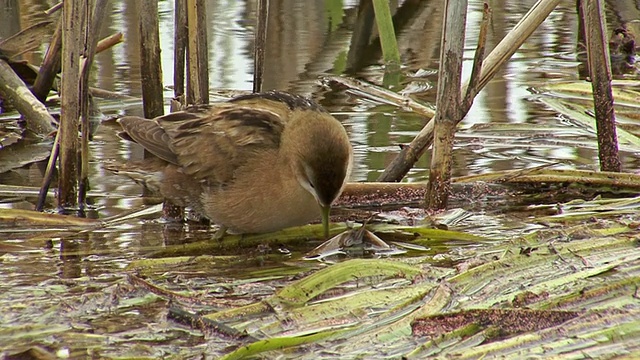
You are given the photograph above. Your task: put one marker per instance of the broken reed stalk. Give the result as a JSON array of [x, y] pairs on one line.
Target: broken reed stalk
[[449, 109], [96, 12], [50, 65], [593, 18], [380, 94], [109, 42], [54, 8], [478, 59], [12, 88], [260, 44], [402, 163], [72, 12], [197, 53], [180, 39], [512, 41]]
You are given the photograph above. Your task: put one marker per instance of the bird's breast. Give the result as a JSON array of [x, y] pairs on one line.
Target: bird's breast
[[266, 197]]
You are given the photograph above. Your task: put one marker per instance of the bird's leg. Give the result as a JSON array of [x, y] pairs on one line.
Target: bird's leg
[[222, 230]]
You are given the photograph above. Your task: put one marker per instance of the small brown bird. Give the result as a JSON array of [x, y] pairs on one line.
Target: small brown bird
[[257, 163]]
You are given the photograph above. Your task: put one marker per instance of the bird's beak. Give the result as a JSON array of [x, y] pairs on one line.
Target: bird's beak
[[326, 209]]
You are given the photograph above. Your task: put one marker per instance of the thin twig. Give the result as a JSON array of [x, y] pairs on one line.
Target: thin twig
[[109, 42], [48, 175], [54, 8]]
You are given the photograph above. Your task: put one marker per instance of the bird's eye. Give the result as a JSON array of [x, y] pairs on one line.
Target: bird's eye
[[309, 175]]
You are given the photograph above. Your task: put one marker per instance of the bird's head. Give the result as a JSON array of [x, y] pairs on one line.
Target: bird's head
[[323, 157]]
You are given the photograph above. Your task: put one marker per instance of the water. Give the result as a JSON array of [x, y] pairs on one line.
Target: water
[[301, 47], [77, 279]]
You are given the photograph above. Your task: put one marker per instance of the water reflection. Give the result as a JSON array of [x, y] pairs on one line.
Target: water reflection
[[309, 39]]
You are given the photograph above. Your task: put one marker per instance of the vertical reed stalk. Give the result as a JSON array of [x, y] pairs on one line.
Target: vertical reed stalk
[[150, 65], [197, 53], [94, 13], [387, 33], [260, 45], [151, 75], [599, 64], [72, 12], [448, 103], [179, 47]]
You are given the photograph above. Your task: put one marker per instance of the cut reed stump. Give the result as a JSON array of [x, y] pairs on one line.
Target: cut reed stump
[[151, 75]]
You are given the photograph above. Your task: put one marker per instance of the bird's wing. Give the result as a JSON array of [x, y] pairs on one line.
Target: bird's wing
[[211, 142], [150, 135]]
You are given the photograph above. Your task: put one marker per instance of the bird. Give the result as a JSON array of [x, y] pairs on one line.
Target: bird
[[256, 163]]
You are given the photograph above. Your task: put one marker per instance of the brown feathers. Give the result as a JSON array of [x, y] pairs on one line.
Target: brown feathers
[[256, 163]]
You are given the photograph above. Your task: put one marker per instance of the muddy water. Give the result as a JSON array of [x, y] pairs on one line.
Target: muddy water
[[76, 280]]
